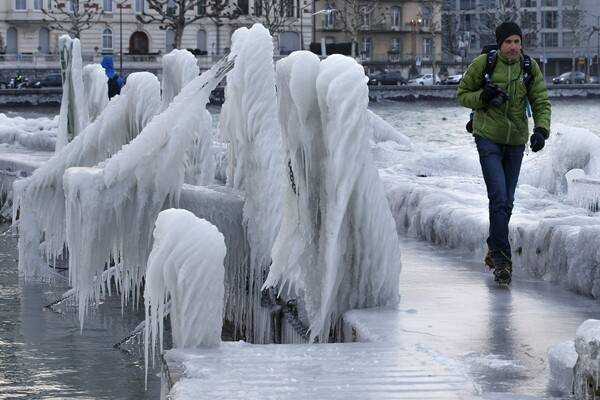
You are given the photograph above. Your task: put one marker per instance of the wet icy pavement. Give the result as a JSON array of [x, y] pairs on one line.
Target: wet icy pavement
[[455, 335]]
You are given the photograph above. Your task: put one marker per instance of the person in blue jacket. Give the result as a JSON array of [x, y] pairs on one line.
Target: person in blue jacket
[[115, 82]]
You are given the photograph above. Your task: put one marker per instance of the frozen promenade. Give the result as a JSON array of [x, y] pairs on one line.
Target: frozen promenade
[[455, 335]]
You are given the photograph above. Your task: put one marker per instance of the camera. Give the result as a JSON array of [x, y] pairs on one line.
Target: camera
[[499, 98]]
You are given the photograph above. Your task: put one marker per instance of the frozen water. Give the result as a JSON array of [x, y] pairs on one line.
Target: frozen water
[[337, 247], [185, 267]]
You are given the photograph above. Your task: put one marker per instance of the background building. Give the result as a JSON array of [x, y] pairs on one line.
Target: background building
[[410, 36]]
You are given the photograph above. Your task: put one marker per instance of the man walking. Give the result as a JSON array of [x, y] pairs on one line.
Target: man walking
[[500, 128]]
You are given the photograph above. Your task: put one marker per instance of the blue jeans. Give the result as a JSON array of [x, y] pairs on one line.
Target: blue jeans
[[500, 165]]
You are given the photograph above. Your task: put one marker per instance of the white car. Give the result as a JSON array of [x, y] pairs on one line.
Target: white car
[[424, 80], [454, 79]]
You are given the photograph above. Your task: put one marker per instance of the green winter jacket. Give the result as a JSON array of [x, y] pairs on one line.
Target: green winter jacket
[[508, 123]]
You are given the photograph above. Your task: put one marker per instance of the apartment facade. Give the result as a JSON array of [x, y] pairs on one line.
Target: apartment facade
[[411, 36]]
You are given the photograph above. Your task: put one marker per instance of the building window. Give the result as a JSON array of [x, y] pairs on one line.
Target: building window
[[20, 4], [242, 6], [139, 6], [427, 47], [550, 39], [201, 40], [107, 40], [37, 4], [287, 8], [329, 18], [529, 18], [550, 19], [395, 45], [528, 3], [568, 39], [107, 6], [467, 4], [395, 18], [573, 3], [365, 47], [201, 8], [467, 21], [171, 45], [549, 3]]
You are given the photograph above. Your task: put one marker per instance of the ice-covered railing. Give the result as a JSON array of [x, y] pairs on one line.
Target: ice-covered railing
[[121, 121], [180, 68], [249, 123], [337, 248], [111, 208], [185, 267]]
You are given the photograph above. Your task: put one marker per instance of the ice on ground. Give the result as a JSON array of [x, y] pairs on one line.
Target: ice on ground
[[587, 370], [95, 84]]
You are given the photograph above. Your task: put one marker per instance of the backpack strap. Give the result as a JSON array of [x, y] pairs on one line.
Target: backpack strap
[[526, 66], [489, 65]]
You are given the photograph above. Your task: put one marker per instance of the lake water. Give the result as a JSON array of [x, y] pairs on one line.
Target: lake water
[[45, 355]]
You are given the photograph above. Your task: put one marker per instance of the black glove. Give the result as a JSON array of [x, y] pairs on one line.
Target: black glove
[[538, 139], [489, 92]]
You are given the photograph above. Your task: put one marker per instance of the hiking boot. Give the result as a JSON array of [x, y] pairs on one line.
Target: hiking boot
[[489, 260], [503, 271]]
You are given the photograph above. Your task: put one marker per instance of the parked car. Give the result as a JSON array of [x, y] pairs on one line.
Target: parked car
[[388, 78], [424, 80], [52, 80], [570, 77], [453, 79]]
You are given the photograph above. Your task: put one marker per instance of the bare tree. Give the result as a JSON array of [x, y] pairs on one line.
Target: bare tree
[[177, 14], [73, 16], [274, 15], [571, 21], [357, 16], [503, 11], [431, 16]]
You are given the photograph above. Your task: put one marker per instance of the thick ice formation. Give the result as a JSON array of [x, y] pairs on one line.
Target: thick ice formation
[[562, 358], [122, 120], [249, 122], [587, 370], [185, 267], [180, 68], [73, 117], [338, 245], [95, 90], [111, 208]]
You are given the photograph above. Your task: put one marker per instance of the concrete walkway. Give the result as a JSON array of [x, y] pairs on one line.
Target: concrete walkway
[[455, 335]]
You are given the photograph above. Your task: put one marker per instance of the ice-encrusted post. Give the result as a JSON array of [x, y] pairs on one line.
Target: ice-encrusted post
[[185, 266], [249, 123], [354, 261]]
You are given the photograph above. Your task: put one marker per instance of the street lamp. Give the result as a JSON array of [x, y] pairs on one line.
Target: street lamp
[[414, 24], [121, 5]]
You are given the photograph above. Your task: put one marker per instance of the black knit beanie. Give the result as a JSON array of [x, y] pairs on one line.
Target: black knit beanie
[[505, 30]]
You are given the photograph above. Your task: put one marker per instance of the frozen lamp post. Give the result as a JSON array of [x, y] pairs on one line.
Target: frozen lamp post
[[121, 5]]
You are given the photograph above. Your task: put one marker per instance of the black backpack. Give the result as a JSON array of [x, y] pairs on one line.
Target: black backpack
[[492, 55], [113, 86]]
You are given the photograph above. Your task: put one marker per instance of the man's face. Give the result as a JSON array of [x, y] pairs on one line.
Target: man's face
[[511, 47]]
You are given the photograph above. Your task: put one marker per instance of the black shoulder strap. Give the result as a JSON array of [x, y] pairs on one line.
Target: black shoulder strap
[[526, 66], [489, 65]]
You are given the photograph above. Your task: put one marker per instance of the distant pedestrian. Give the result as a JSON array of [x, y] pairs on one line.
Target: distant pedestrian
[[115, 82], [501, 130]]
